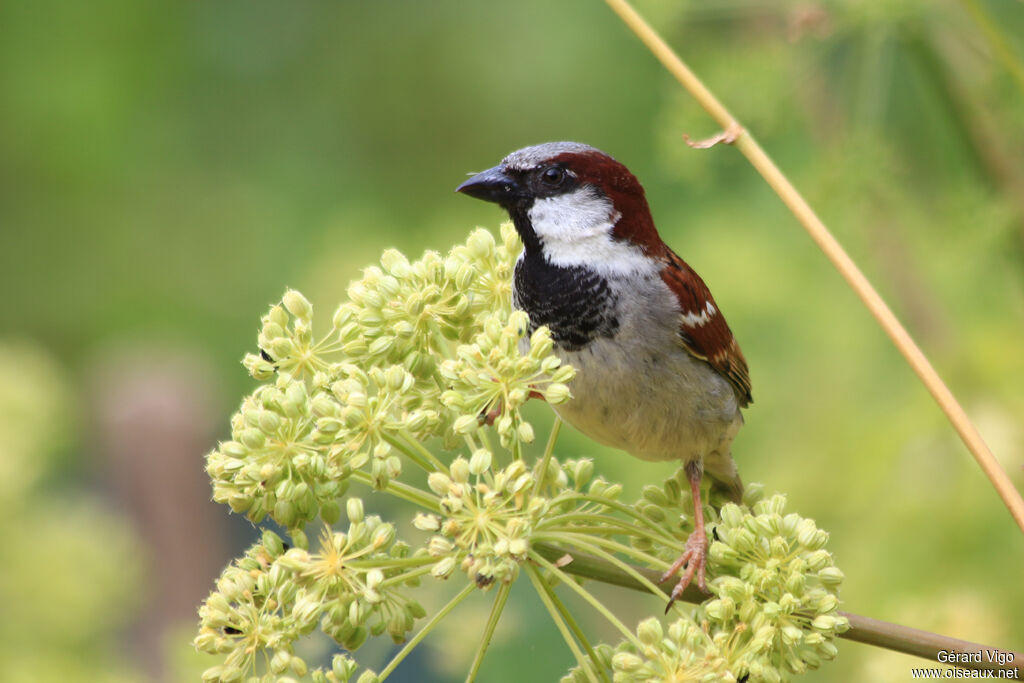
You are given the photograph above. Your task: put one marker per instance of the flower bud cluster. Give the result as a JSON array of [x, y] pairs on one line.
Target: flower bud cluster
[[404, 312], [286, 344], [684, 652], [494, 262], [350, 587], [340, 404], [773, 613], [774, 576], [274, 463], [347, 588], [491, 373], [371, 409], [248, 614], [487, 516]]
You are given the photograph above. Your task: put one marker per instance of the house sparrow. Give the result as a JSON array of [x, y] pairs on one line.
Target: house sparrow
[[658, 372]]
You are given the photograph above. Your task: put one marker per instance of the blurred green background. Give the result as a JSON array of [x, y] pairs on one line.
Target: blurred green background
[[167, 169]]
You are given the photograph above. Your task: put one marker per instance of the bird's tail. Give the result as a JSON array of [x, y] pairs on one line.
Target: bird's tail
[[725, 478]]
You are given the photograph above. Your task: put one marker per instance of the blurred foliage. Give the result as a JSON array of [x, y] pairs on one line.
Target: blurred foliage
[[67, 589], [166, 168]]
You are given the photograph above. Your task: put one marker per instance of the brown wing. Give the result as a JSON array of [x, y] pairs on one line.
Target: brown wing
[[702, 327]]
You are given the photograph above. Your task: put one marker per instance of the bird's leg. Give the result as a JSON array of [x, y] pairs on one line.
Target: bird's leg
[[695, 555]]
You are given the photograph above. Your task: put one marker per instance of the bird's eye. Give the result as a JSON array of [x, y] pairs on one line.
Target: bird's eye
[[552, 176]]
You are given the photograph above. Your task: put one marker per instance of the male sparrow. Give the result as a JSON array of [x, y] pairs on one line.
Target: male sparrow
[[658, 372]]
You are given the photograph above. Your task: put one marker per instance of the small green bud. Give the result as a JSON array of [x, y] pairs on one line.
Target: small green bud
[[298, 667], [444, 568], [480, 243], [395, 263], [354, 509], [374, 578], [356, 639], [279, 662], [525, 432], [582, 471], [272, 331], [626, 661], [295, 559], [253, 438], [557, 393], [277, 316], [824, 622], [282, 348], [563, 375], [504, 424], [383, 536], [818, 559], [655, 495], [518, 547], [460, 470], [791, 635], [368, 676], [397, 379], [273, 543], [649, 631], [831, 576], [297, 304], [480, 462], [439, 483], [465, 424], [425, 522]]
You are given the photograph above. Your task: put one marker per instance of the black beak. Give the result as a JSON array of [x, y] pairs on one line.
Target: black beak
[[492, 185]]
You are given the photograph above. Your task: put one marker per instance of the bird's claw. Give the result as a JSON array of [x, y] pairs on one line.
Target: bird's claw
[[695, 559]]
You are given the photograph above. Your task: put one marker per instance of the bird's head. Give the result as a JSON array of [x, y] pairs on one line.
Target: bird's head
[[573, 205]]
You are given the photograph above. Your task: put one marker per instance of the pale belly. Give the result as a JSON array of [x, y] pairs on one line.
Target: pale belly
[[653, 405]]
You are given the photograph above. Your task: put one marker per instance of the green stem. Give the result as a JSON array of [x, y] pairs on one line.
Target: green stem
[[627, 510], [389, 563], [400, 490], [586, 595], [575, 538], [558, 613], [598, 522], [492, 623], [590, 567], [427, 628], [581, 542], [444, 347], [405, 576], [484, 439], [425, 453], [410, 453], [556, 427]]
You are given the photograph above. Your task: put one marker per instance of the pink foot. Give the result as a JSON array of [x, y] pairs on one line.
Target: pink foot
[[695, 559]]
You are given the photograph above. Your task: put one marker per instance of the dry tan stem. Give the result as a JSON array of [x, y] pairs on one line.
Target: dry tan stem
[[835, 253]]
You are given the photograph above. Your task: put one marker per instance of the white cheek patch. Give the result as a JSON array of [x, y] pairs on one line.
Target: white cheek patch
[[576, 229]]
